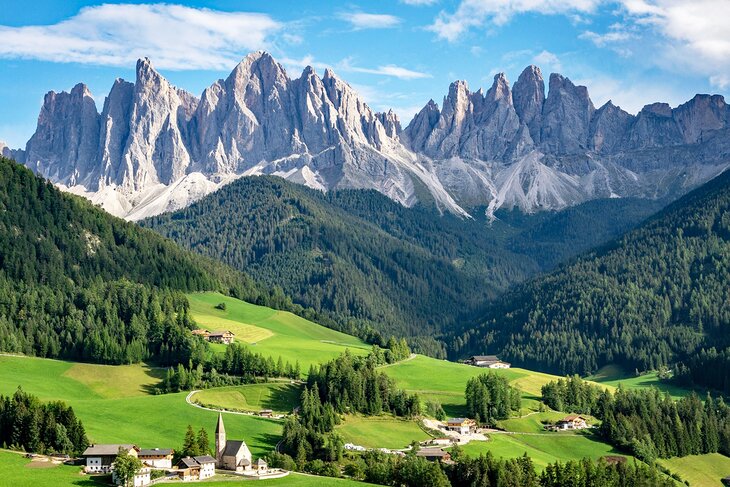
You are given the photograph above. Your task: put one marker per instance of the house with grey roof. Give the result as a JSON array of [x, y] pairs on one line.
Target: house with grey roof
[[99, 458]]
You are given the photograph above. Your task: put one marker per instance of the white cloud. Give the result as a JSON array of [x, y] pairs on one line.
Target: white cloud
[[616, 34], [346, 66], [697, 31], [361, 20], [548, 61], [178, 37], [475, 13], [419, 3]]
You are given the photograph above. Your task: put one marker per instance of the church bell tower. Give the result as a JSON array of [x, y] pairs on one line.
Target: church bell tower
[[220, 441]]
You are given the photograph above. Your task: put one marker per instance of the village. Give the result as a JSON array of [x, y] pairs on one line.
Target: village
[[232, 457]]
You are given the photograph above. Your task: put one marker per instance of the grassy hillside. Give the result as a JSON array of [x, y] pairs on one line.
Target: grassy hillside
[[613, 375], [699, 470], [271, 332], [445, 382], [279, 397], [129, 414]]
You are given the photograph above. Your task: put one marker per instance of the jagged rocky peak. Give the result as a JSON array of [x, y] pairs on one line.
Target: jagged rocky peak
[[701, 114], [528, 95], [390, 122], [500, 89], [421, 126], [609, 128], [65, 143], [566, 117]]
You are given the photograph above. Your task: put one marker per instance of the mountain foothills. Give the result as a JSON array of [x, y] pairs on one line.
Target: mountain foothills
[[657, 296], [359, 255], [155, 148], [77, 283]]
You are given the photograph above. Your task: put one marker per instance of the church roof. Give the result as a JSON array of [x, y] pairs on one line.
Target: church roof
[[219, 427], [233, 447]]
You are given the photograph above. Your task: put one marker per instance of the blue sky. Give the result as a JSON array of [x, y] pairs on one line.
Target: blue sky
[[397, 54]]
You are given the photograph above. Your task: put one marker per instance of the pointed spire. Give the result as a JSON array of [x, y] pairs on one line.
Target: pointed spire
[[220, 428]]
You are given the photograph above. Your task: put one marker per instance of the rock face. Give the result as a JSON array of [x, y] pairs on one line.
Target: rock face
[[156, 148]]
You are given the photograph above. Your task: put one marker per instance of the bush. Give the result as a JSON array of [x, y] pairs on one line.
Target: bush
[[221, 306]]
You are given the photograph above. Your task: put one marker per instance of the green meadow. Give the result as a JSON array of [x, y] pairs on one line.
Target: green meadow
[[128, 414], [272, 333], [542, 448], [380, 431], [699, 470], [445, 382], [279, 397], [612, 375]]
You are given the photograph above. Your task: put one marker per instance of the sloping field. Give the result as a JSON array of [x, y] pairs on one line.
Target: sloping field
[[613, 375], [273, 333], [146, 420], [700, 470], [279, 397], [380, 431]]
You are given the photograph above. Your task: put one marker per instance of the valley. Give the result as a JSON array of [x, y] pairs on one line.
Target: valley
[[130, 411]]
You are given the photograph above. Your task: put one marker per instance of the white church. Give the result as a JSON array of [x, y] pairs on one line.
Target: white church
[[234, 455]]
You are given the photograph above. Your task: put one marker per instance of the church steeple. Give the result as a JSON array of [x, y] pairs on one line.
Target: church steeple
[[220, 440]]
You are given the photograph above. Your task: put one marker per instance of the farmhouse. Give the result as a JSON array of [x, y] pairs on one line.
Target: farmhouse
[[463, 426], [99, 458], [221, 337], [230, 454], [489, 361], [157, 457], [266, 413], [572, 422], [141, 478], [196, 468], [434, 454]]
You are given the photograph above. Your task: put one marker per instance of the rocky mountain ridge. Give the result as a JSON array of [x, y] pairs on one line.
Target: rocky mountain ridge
[[155, 147]]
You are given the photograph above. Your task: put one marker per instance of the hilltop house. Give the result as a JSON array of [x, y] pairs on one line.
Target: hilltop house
[[99, 458], [571, 422], [488, 361], [463, 426], [231, 454], [157, 457]]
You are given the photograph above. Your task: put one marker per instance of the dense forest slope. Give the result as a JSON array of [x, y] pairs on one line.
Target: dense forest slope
[[657, 296], [360, 256], [78, 283]]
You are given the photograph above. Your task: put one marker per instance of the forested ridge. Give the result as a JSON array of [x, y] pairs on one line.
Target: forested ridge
[[77, 283], [358, 256], [657, 296]]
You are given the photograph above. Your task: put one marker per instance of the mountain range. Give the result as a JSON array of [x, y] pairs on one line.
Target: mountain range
[[156, 148]]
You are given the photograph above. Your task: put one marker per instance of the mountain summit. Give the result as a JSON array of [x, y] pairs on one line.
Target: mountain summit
[[155, 147]]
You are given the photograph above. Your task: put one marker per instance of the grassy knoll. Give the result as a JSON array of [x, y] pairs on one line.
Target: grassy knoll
[[543, 449], [380, 431], [699, 470], [116, 381], [273, 333], [149, 421], [613, 375], [279, 397]]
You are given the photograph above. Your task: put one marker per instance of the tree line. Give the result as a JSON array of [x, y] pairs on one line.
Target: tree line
[[30, 425], [489, 398]]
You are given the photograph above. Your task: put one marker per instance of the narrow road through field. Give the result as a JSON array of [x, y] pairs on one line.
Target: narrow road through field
[[410, 357]]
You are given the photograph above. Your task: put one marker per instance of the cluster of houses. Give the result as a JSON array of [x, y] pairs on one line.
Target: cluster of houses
[[488, 361], [570, 422], [232, 456], [224, 336]]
